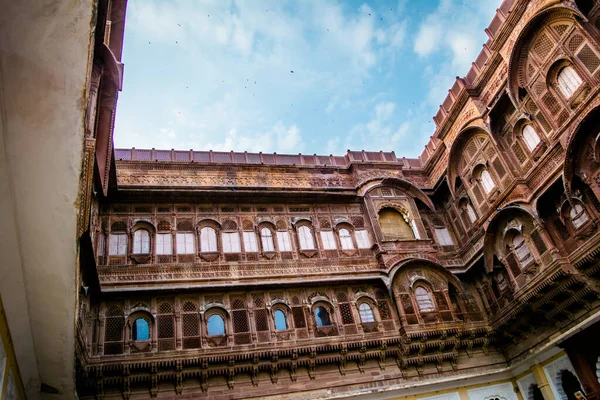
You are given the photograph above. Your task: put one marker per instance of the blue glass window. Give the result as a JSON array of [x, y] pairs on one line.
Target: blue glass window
[[216, 325], [280, 322], [141, 330], [322, 316]]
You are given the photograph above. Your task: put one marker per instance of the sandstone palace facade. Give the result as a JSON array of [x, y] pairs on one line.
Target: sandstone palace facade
[[471, 272]]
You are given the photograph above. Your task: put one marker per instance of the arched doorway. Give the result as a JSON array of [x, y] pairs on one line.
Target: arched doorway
[[570, 384]]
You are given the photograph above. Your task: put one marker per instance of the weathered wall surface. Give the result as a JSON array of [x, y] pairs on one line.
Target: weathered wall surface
[[44, 47]]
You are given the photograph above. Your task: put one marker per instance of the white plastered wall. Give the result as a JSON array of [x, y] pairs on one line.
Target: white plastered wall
[[44, 52]]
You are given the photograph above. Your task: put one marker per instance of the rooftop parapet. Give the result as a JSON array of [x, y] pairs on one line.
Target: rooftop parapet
[[232, 157]]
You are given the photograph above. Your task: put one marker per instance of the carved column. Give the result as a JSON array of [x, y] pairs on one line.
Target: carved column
[[154, 335], [542, 382], [102, 327], [178, 331]]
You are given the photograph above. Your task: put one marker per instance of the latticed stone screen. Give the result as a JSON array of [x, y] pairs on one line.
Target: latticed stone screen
[[346, 311], [262, 323], [113, 335], [589, 58], [240, 321], [299, 320]]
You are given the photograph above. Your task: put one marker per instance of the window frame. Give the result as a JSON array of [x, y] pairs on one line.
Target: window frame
[[327, 240], [360, 312], [204, 230], [270, 247], [121, 245], [304, 233], [187, 237], [430, 299], [160, 237], [364, 233], [284, 240], [138, 242], [216, 311], [347, 239], [567, 91], [531, 137], [252, 241]]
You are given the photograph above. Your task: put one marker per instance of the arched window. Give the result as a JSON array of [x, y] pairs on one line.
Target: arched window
[[208, 240], [215, 325], [394, 226], [471, 213], [141, 242], [486, 181], [366, 313], [322, 316], [531, 137], [424, 300], [266, 239], [346, 239], [578, 215], [521, 249], [568, 81], [305, 238], [280, 321], [140, 330]]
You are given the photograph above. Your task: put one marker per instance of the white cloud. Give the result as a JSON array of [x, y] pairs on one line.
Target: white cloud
[[428, 39]]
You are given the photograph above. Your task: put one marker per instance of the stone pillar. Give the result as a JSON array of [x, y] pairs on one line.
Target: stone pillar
[[542, 382], [463, 394], [102, 327], [178, 330]]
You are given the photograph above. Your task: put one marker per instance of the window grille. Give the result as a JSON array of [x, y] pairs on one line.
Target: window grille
[[165, 326], [185, 226], [165, 308], [191, 324], [260, 317], [247, 225], [229, 225], [358, 222], [240, 321], [258, 300], [384, 310], [164, 225], [328, 241], [299, 320], [208, 239], [238, 303], [114, 329], [589, 59], [266, 239], [119, 226], [346, 311], [342, 297], [188, 306]]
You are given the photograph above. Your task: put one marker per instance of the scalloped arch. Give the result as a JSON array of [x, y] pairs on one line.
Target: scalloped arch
[[399, 183], [518, 55]]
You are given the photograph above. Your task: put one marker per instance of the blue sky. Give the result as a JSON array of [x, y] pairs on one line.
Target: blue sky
[[367, 75]]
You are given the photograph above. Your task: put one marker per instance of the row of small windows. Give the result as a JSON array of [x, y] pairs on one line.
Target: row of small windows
[[215, 324], [230, 241]]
